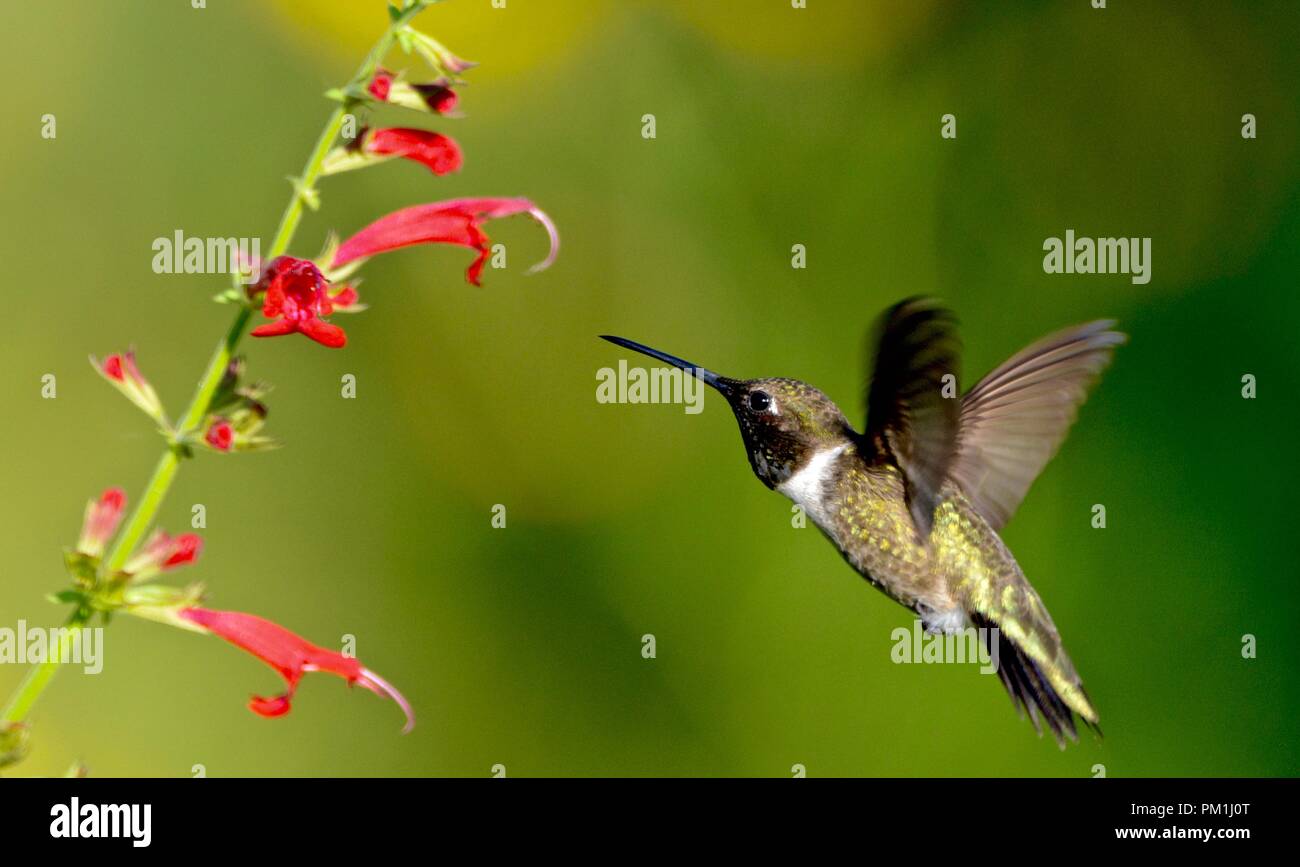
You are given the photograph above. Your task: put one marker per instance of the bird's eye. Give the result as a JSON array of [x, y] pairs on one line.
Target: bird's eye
[[759, 401]]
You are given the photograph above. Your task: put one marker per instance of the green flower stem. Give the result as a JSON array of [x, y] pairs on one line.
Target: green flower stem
[[21, 702], [165, 471]]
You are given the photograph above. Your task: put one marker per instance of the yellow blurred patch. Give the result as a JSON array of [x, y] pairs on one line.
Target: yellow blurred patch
[[824, 32], [530, 35], [517, 40]]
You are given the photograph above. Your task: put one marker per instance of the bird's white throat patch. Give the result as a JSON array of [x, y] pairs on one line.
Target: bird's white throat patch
[[807, 487]]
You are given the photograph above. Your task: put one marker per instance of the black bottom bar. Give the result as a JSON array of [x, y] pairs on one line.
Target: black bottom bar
[[962, 817]]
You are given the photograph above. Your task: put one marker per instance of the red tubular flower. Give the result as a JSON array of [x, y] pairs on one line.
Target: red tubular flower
[[291, 656], [457, 221], [432, 150], [298, 294], [101, 521]]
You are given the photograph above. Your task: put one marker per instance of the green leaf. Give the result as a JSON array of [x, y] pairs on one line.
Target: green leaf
[[66, 597]]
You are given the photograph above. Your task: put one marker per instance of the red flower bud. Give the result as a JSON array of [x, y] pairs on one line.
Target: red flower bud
[[297, 293], [220, 435], [121, 371], [290, 655], [457, 221], [162, 552], [345, 298], [439, 97], [381, 84], [185, 549], [114, 499], [101, 521], [435, 96]]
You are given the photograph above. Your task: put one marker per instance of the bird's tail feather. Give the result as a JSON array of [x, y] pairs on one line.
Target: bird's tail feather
[[1030, 689]]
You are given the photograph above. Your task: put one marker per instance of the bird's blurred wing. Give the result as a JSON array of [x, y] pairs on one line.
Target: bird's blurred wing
[[909, 418], [1014, 419]]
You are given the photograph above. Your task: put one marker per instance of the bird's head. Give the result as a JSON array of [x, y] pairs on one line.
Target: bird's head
[[783, 422]]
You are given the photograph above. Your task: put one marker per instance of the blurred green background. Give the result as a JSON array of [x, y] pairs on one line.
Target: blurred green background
[[521, 646]]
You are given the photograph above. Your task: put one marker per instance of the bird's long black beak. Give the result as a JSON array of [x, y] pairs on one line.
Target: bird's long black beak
[[721, 383]]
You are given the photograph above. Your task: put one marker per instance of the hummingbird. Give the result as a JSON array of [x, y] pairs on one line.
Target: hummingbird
[[914, 501]]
